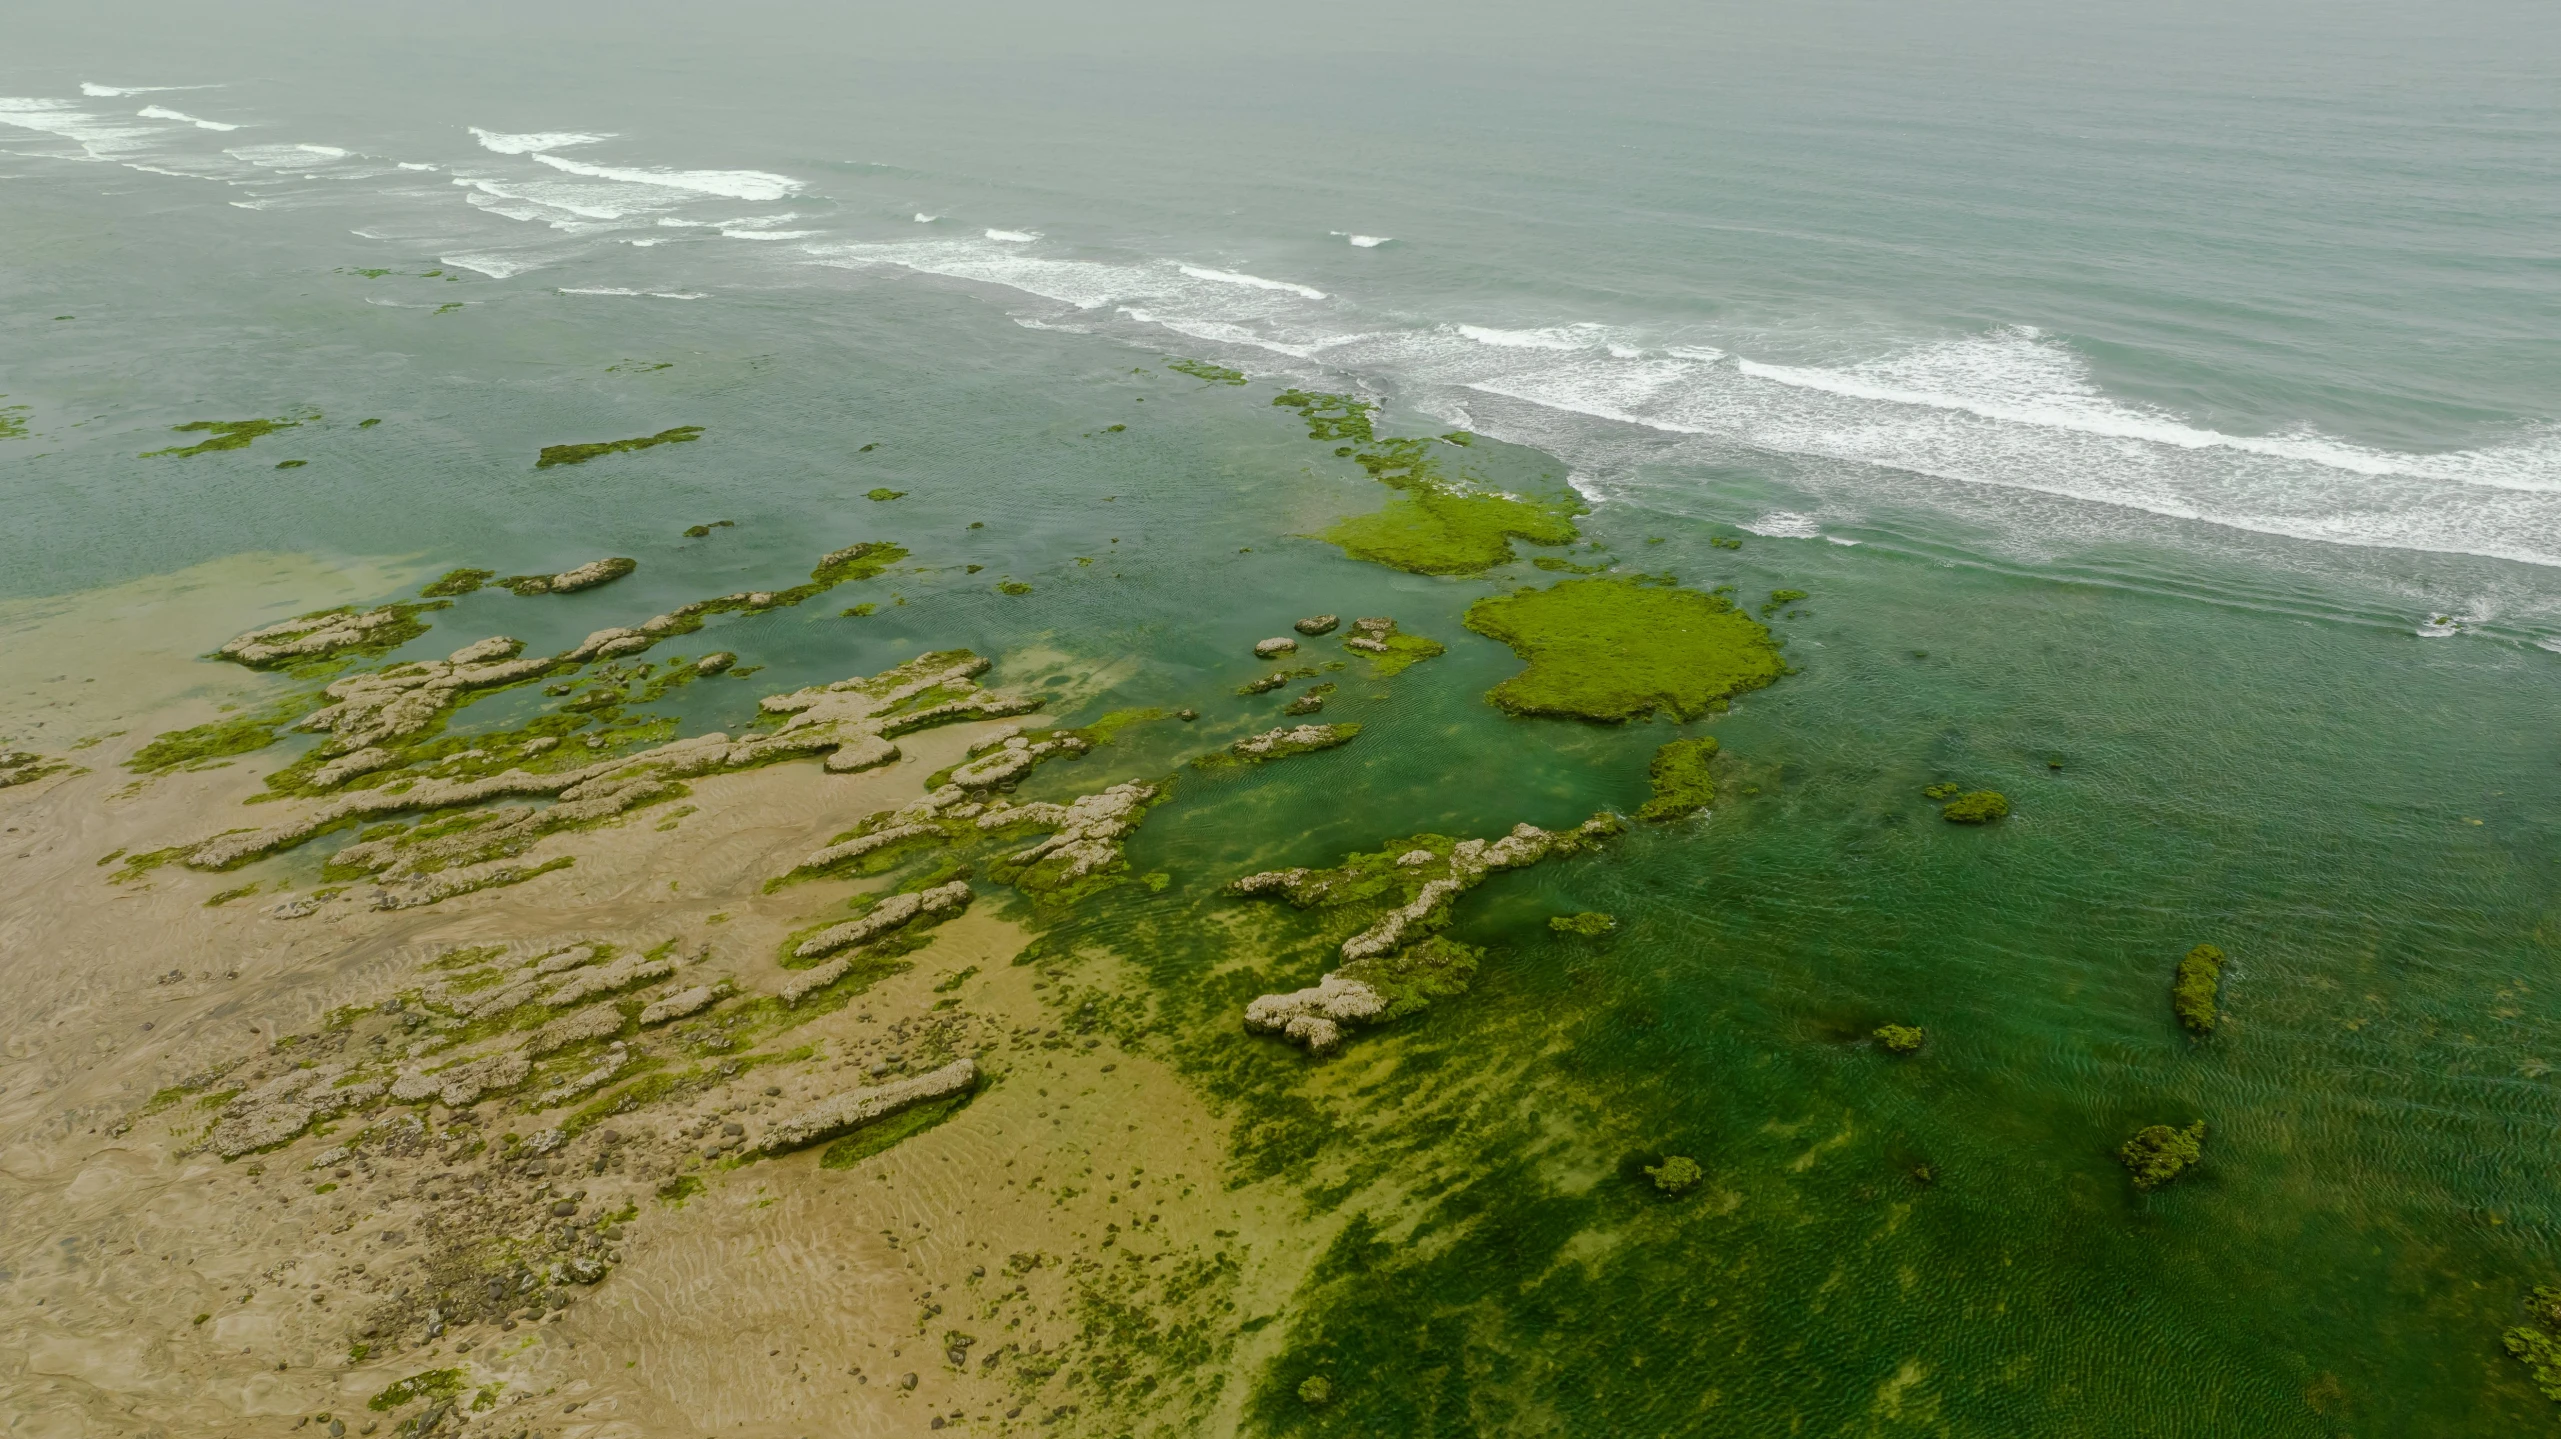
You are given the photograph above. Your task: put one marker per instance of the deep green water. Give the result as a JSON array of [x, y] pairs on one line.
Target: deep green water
[[2170, 375]]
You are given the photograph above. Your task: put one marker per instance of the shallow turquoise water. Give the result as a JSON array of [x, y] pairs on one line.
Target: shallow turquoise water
[[2169, 375]]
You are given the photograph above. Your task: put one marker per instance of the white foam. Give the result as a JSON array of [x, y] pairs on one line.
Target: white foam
[[1842, 540], [98, 91], [1785, 525], [924, 219], [1014, 237], [1369, 242], [634, 294], [163, 112], [768, 234], [414, 165], [2553, 645], [1251, 282], [496, 267], [537, 140], [735, 184], [1558, 337], [99, 137]]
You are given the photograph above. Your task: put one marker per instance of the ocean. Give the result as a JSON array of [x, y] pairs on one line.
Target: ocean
[[2159, 410]]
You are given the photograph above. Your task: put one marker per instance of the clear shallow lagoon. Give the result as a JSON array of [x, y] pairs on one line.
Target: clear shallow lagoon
[[2127, 394]]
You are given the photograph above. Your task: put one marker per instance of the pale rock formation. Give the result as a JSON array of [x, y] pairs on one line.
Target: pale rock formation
[[1314, 1016], [1274, 647], [585, 984], [678, 1005], [855, 1108], [1090, 830], [591, 574], [1316, 625], [892, 913], [1293, 739], [594, 1022], [308, 637], [813, 979]]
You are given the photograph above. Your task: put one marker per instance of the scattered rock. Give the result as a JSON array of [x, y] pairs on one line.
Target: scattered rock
[[1316, 625], [891, 913], [715, 662], [1293, 740], [1274, 647], [677, 1006]]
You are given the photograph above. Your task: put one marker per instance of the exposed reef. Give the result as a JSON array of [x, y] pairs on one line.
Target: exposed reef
[[1397, 964], [2198, 985], [580, 454], [584, 577], [1613, 650], [1281, 743], [855, 1108], [328, 634]]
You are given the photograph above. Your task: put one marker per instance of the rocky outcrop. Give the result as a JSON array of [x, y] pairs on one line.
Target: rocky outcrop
[[592, 574], [1315, 625], [586, 984], [682, 1003], [1089, 833], [855, 1108], [616, 1059], [1394, 965], [1314, 1016], [1274, 647], [608, 643], [1292, 740], [895, 912], [370, 709], [460, 1084], [284, 1107], [1007, 758], [1369, 634], [601, 1021], [813, 979], [320, 635]]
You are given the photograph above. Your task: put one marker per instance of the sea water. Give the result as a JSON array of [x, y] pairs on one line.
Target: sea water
[[2158, 410]]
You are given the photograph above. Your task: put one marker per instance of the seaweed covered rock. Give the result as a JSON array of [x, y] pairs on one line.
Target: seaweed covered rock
[[1679, 779], [2158, 1153], [2537, 1344], [1291, 740], [1399, 960], [1085, 845], [1980, 806], [2198, 985], [1678, 1174], [1614, 650], [327, 634], [1900, 1039]]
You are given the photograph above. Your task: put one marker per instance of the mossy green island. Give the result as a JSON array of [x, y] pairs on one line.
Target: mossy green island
[[1615, 650]]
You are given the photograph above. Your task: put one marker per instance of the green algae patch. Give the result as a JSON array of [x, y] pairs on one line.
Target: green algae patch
[[225, 435], [2158, 1154], [1403, 652], [580, 454], [1439, 525], [13, 421], [1437, 532], [1206, 372], [2538, 1345], [1680, 779], [1013, 587], [222, 739], [1678, 1174], [1586, 925], [884, 1135], [442, 1385], [457, 582], [2194, 991], [883, 492], [1615, 650], [1981, 806], [1900, 1039]]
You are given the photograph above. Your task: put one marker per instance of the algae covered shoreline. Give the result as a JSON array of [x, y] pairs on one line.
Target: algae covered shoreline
[[1560, 1000]]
